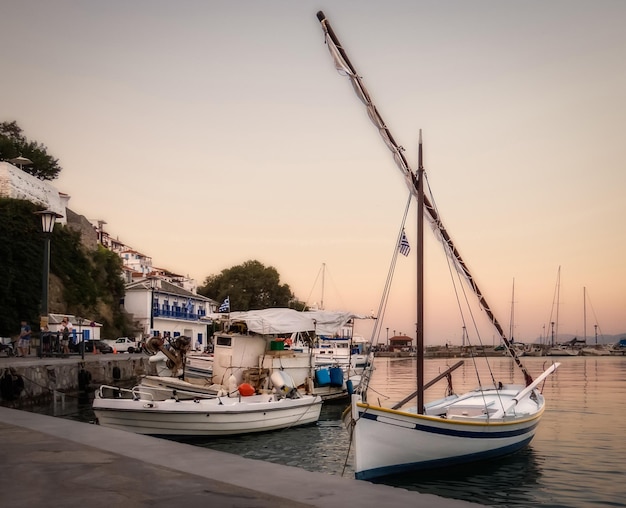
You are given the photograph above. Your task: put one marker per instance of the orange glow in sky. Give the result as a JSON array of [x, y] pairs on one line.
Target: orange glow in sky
[[210, 133]]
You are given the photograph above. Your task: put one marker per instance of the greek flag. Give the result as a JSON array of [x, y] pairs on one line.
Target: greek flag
[[225, 307], [404, 246]]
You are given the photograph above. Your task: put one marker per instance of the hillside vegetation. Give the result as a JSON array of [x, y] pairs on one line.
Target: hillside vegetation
[[85, 282]]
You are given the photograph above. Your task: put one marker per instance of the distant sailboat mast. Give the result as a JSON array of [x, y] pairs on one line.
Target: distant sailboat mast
[[558, 304], [323, 277], [512, 324], [585, 314]]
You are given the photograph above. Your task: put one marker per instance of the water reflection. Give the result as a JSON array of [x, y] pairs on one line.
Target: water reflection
[[576, 459], [318, 447], [509, 481]]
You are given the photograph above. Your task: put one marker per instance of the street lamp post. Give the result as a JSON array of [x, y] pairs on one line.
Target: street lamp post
[[153, 286], [48, 218]]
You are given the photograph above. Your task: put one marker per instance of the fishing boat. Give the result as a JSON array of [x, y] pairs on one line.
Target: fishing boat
[[331, 348], [254, 389], [251, 346], [240, 411], [488, 422], [350, 353]]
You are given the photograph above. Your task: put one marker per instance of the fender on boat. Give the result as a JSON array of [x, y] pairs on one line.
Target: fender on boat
[[282, 381], [246, 390]]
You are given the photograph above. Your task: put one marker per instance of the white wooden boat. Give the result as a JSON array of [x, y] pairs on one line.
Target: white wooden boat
[[479, 425], [482, 424], [225, 414]]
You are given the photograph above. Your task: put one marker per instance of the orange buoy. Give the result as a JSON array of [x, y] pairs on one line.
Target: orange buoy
[[245, 390]]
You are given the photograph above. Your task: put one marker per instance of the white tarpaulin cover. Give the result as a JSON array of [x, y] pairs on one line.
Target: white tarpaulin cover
[[273, 321], [280, 320], [328, 322]]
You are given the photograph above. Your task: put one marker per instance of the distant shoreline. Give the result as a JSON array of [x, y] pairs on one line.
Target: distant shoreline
[[497, 351], [445, 352]]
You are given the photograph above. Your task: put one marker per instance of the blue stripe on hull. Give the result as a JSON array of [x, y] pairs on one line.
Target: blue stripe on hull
[[461, 433], [435, 464]]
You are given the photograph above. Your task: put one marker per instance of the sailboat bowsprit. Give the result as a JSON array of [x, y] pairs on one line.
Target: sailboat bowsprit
[[488, 422]]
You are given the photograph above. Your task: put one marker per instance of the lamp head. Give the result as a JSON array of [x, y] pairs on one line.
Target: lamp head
[[48, 217]]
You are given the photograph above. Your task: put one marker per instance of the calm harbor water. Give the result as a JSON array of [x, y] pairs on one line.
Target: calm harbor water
[[577, 458]]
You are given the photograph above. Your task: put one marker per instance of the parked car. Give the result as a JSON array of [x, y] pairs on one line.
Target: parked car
[[101, 347], [124, 345]]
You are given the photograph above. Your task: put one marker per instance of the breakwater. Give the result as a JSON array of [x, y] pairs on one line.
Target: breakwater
[[444, 352]]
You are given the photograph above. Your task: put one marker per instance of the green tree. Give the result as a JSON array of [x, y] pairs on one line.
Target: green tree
[[72, 265], [21, 265], [13, 144], [107, 275], [250, 286]]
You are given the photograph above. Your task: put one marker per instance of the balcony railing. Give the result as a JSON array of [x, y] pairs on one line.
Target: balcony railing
[[178, 313]]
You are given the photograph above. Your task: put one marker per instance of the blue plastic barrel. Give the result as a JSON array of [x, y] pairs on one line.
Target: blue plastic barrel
[[336, 376], [322, 376]]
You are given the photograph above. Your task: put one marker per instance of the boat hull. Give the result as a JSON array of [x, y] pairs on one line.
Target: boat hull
[[206, 417], [389, 441]]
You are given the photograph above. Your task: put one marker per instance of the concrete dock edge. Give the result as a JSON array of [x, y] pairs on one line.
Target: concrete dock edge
[[48, 461]]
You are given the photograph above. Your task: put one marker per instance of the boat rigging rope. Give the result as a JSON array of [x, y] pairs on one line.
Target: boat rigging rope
[[351, 431], [345, 67], [460, 287], [377, 328]]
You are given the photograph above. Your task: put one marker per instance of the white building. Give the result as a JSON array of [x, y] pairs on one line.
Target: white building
[[162, 308], [161, 302], [17, 184], [82, 328], [136, 261]]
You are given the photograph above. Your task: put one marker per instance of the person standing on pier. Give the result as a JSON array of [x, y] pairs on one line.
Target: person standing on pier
[[66, 331], [23, 344]]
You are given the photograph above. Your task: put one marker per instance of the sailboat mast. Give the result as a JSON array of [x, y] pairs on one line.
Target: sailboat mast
[[420, 281]]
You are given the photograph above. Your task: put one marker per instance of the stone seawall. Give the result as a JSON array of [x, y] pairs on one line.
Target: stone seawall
[[32, 381]]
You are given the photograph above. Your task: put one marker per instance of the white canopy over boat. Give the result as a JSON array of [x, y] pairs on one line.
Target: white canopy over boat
[[281, 320], [329, 322], [274, 321]]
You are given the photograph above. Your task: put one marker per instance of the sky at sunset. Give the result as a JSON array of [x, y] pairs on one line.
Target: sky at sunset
[[208, 133]]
